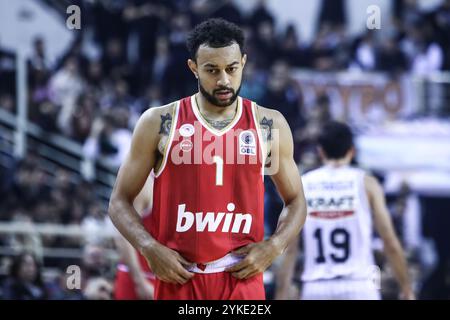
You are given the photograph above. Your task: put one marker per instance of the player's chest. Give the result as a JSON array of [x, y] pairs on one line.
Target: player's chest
[[193, 143]]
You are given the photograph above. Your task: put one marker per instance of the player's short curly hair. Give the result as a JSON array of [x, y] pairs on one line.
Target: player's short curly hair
[[216, 33], [336, 139]]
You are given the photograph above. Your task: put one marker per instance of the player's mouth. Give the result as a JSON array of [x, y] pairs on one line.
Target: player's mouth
[[224, 94]]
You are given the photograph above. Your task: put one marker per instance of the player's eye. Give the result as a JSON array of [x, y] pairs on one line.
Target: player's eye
[[212, 71], [232, 69]]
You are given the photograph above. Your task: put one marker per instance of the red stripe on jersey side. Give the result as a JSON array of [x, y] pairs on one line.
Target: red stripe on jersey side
[[331, 214]]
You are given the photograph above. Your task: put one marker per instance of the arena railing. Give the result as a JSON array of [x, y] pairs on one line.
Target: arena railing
[[56, 150], [32, 233]]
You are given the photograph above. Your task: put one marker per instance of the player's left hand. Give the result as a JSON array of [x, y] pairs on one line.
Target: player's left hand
[[258, 257]]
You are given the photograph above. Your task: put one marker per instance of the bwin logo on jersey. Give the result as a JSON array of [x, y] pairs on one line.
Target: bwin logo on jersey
[[211, 221], [247, 143]]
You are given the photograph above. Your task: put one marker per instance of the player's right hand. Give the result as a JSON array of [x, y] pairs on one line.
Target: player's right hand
[[167, 264]]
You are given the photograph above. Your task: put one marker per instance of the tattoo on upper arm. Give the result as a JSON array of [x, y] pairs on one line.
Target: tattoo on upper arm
[[266, 127], [166, 122]]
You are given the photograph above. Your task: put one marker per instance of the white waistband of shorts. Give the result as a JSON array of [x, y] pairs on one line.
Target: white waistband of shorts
[[218, 265]]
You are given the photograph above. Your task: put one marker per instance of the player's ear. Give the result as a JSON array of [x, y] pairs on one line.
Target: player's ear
[[352, 152], [193, 66], [321, 153], [244, 59]]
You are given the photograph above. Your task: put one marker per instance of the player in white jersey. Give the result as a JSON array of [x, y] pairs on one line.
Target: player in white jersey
[[344, 203]]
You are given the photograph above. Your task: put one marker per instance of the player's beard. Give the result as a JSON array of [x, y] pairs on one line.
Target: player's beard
[[214, 101]]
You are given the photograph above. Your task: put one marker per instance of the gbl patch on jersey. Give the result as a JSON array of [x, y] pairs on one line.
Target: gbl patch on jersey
[[247, 143]]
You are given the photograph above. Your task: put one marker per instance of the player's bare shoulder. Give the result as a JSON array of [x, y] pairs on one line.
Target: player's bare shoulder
[[272, 123], [160, 118], [158, 122]]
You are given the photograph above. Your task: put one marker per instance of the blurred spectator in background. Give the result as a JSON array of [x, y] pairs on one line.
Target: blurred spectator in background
[[38, 58], [440, 20], [114, 63], [332, 12], [65, 87], [283, 95], [253, 86], [30, 183], [118, 95], [265, 41], [67, 83], [316, 117], [435, 248], [389, 57], [177, 80], [26, 242], [25, 279], [227, 10], [7, 71], [330, 44], [98, 289], [405, 13], [407, 219], [95, 224], [161, 62], [291, 50], [260, 14], [152, 98], [108, 140], [39, 63], [43, 111], [59, 289], [323, 49], [364, 52], [75, 51], [103, 12], [7, 102], [81, 117], [94, 264], [145, 20], [424, 54], [95, 78]]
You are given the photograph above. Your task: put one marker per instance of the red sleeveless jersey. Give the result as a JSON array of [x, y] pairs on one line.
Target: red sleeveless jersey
[[208, 195]]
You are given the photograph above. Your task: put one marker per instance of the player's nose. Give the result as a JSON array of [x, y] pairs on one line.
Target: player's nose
[[224, 79]]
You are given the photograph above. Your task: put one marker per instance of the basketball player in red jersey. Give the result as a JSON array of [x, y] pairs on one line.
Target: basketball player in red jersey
[[134, 279], [204, 238]]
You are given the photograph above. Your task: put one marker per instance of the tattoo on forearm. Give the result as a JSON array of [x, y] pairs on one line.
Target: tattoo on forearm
[[166, 122], [266, 126]]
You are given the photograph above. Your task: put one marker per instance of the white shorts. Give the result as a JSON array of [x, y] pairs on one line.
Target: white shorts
[[340, 289]]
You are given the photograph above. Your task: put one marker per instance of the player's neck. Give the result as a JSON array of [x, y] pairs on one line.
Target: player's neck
[[213, 112], [336, 163]]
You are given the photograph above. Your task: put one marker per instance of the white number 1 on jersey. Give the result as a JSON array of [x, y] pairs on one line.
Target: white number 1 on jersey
[[219, 170]]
